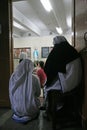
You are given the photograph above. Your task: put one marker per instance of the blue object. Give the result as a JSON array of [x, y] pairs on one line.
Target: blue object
[[23, 119]]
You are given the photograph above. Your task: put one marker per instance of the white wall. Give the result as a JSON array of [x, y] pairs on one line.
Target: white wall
[[33, 42]]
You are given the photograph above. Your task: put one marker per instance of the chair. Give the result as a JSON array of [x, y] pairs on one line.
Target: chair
[[69, 104]]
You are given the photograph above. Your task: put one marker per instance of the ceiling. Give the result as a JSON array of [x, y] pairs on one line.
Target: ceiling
[[36, 21]]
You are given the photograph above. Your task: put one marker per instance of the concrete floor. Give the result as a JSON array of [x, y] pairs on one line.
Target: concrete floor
[[7, 123]]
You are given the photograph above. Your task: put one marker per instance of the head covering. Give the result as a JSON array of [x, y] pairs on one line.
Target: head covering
[[59, 39], [61, 54], [23, 55]]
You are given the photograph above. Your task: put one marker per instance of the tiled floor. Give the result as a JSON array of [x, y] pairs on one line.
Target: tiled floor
[[7, 123]]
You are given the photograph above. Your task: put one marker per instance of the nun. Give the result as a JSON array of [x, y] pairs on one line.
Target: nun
[[63, 66], [24, 92]]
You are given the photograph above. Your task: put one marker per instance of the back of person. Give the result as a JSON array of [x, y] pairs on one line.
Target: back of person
[[23, 54], [63, 66], [24, 90], [41, 74]]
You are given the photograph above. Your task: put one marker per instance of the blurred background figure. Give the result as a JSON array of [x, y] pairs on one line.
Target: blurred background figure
[[35, 54], [41, 74], [35, 67], [23, 54]]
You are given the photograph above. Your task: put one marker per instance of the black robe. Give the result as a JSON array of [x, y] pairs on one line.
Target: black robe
[[60, 55]]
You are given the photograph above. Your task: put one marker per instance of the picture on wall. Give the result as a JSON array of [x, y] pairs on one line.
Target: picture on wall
[[44, 52], [18, 51]]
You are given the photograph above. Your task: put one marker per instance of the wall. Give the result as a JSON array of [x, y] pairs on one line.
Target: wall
[[80, 23], [5, 51], [35, 42], [81, 45]]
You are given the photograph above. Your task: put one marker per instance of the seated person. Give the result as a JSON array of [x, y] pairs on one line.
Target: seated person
[[41, 74], [63, 67], [24, 90], [35, 67], [23, 54]]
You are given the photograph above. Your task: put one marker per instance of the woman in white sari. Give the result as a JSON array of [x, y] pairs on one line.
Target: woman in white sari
[[24, 90]]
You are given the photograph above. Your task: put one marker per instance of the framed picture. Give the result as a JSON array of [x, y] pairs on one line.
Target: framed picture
[[44, 52], [17, 52]]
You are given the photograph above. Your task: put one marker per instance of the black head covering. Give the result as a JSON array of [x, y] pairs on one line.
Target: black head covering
[[61, 54]]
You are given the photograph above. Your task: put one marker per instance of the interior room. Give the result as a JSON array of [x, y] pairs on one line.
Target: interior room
[[28, 26], [34, 27]]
